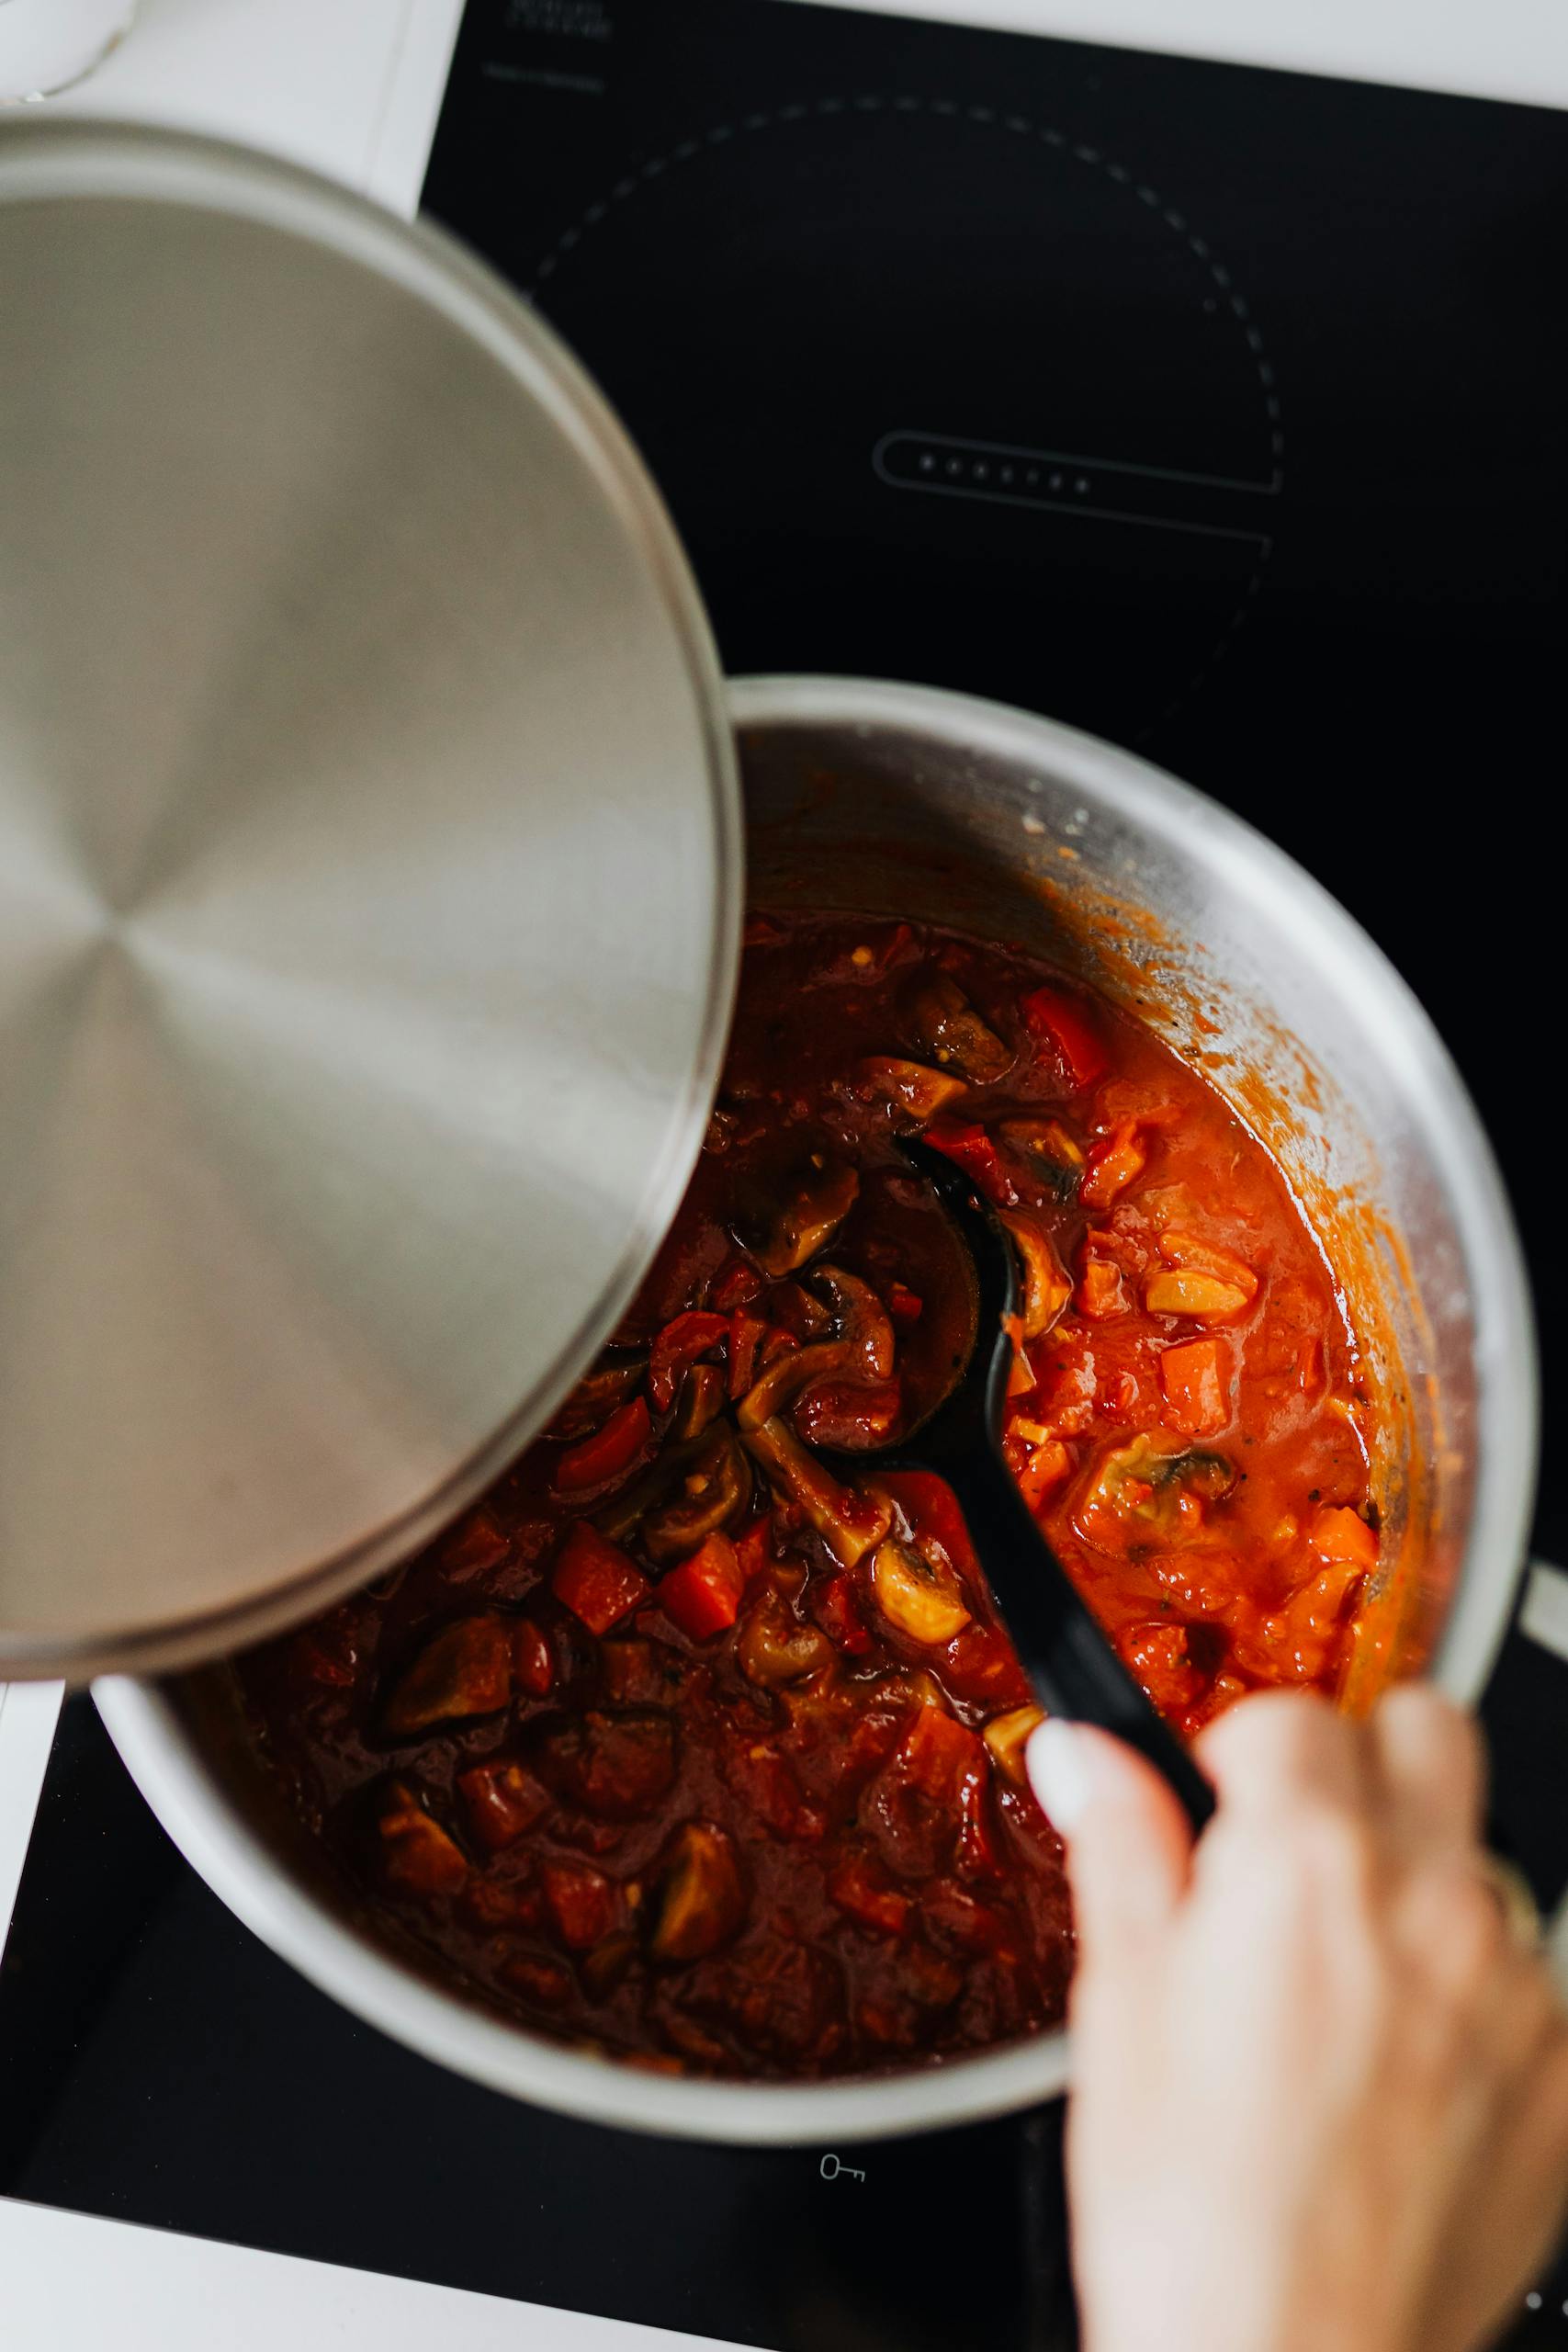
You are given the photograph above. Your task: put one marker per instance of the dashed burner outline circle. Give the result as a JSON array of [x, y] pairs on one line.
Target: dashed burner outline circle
[[1019, 126]]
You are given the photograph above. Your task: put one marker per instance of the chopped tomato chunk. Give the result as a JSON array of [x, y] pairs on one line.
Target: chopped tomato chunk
[[1341, 1534], [864, 1890], [1194, 1377], [1043, 1471], [1114, 1164], [835, 1609], [1100, 1294], [596, 1581], [1158, 1656]]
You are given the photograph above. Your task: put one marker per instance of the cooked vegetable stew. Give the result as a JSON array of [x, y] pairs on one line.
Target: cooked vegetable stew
[[698, 1739]]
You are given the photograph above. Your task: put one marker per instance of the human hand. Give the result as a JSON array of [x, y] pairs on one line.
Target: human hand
[[1320, 2096]]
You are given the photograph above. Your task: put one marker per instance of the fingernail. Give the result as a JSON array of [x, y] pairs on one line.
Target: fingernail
[[1058, 1769]]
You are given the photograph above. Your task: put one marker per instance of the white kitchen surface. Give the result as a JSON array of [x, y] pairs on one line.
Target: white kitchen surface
[[74, 2283], [352, 88]]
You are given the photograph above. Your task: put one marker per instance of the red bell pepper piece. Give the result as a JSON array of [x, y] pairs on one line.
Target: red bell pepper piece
[[608, 1451], [976, 1153], [754, 1550], [703, 1595], [532, 1663], [746, 1334], [1053, 1016], [595, 1580], [904, 1304], [736, 1281], [675, 1351]]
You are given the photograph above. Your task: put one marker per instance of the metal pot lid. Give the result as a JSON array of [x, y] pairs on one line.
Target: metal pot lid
[[369, 889]]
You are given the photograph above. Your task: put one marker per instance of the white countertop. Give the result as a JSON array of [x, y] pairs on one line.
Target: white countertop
[[353, 86], [349, 86]]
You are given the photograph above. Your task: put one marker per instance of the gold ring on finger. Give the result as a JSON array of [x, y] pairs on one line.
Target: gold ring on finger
[[1521, 1910]]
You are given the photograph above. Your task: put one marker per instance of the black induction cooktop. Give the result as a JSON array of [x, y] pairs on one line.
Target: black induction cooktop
[[1215, 410]]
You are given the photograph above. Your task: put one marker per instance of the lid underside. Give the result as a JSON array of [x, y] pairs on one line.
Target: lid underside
[[369, 876]]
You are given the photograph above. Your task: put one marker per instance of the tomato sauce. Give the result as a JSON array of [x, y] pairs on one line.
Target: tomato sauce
[[698, 1739]]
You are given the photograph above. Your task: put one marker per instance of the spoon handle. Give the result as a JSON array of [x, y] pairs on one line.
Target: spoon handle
[[1073, 1668]]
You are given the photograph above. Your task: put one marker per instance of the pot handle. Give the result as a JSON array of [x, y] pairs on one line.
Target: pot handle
[[1543, 1620]]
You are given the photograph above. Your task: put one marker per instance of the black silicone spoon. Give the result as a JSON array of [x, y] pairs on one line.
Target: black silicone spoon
[[1072, 1666]]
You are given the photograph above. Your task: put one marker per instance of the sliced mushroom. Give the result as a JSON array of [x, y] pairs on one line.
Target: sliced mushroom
[[715, 1486], [620, 1515], [954, 1033], [1205, 1298], [851, 1416], [1047, 1286], [701, 1400], [1150, 1491], [466, 1670], [1051, 1155], [861, 1352], [849, 1523], [860, 1321], [788, 1374], [1205, 1284], [607, 1966], [775, 1647], [793, 1306], [915, 1094], [918, 1594], [821, 1197], [1007, 1736], [597, 1393], [702, 1900], [504, 1802], [417, 1855]]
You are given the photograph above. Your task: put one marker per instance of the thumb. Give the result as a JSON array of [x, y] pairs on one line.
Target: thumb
[[1128, 1843]]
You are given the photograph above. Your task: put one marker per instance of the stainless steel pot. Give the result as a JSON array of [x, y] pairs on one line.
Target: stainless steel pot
[[874, 797]]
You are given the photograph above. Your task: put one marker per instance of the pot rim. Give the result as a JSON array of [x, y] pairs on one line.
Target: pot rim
[[162, 1758], [1378, 1000]]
